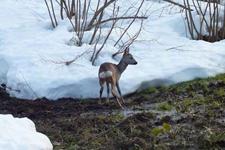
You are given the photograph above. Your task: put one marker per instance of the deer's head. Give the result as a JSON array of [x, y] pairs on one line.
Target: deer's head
[[128, 58]]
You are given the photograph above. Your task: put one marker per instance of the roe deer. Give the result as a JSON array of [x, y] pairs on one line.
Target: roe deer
[[110, 73]]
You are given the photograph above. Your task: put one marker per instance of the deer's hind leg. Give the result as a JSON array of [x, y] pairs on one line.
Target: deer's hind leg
[[101, 90], [107, 100], [115, 95], [119, 91]]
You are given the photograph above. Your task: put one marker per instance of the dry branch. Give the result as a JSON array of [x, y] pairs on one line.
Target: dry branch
[[50, 15], [209, 20], [177, 4], [115, 13], [142, 2], [129, 42], [99, 11], [77, 57], [78, 12], [120, 18]]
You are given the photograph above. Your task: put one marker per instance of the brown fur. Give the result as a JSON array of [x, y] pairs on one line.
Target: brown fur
[[116, 71], [109, 67]]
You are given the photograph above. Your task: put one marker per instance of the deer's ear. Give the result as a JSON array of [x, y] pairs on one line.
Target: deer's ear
[[126, 51]]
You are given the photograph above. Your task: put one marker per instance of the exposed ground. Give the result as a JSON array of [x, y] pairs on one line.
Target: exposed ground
[[189, 115]]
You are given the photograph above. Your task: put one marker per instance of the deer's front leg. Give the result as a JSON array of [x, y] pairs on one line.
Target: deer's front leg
[[118, 89]]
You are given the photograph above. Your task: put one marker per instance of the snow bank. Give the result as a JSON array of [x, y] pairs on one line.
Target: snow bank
[[30, 52], [20, 134]]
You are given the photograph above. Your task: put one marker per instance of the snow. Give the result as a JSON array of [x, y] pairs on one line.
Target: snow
[[30, 51], [20, 134]]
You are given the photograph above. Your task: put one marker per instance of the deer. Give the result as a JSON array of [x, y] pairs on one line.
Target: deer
[[110, 74]]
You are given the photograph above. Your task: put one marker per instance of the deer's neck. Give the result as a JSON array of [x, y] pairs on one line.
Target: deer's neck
[[122, 66]]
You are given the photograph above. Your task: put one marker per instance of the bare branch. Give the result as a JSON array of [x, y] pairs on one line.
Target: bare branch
[[77, 57], [177, 4], [99, 11], [130, 41], [53, 12], [49, 12], [130, 23], [115, 13], [77, 11], [117, 18]]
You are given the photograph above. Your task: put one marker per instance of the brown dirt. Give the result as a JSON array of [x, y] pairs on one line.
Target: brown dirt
[[185, 116]]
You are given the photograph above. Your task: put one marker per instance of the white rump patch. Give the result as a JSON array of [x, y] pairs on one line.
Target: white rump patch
[[105, 74]]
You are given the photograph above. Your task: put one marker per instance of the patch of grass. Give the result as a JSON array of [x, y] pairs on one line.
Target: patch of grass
[[220, 92], [163, 88], [150, 90], [213, 139], [165, 106], [190, 86], [216, 137], [215, 104], [111, 117], [73, 147], [217, 77], [187, 103], [116, 117], [165, 128]]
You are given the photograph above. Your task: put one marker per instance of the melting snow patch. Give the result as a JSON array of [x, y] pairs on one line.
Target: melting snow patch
[[29, 53], [20, 134]]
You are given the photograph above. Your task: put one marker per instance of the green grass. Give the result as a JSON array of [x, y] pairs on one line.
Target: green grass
[[165, 106]]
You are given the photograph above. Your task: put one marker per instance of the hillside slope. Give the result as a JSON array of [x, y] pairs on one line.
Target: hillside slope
[[187, 115]]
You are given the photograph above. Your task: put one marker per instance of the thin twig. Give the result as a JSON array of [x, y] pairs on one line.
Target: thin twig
[[77, 57], [115, 13], [142, 2], [177, 4]]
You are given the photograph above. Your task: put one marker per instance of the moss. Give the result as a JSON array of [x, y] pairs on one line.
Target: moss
[[216, 137], [86, 133], [68, 138], [163, 88], [191, 87], [117, 117], [187, 103], [150, 90], [210, 113], [218, 77], [212, 139], [111, 117], [156, 131], [136, 132], [220, 93], [73, 147], [101, 117], [165, 106], [165, 128], [215, 104], [96, 144]]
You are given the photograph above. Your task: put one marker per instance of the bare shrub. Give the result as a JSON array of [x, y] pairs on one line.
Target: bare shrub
[[85, 18], [207, 21]]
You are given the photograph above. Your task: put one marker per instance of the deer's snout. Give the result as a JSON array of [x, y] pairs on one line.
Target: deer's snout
[[135, 62]]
